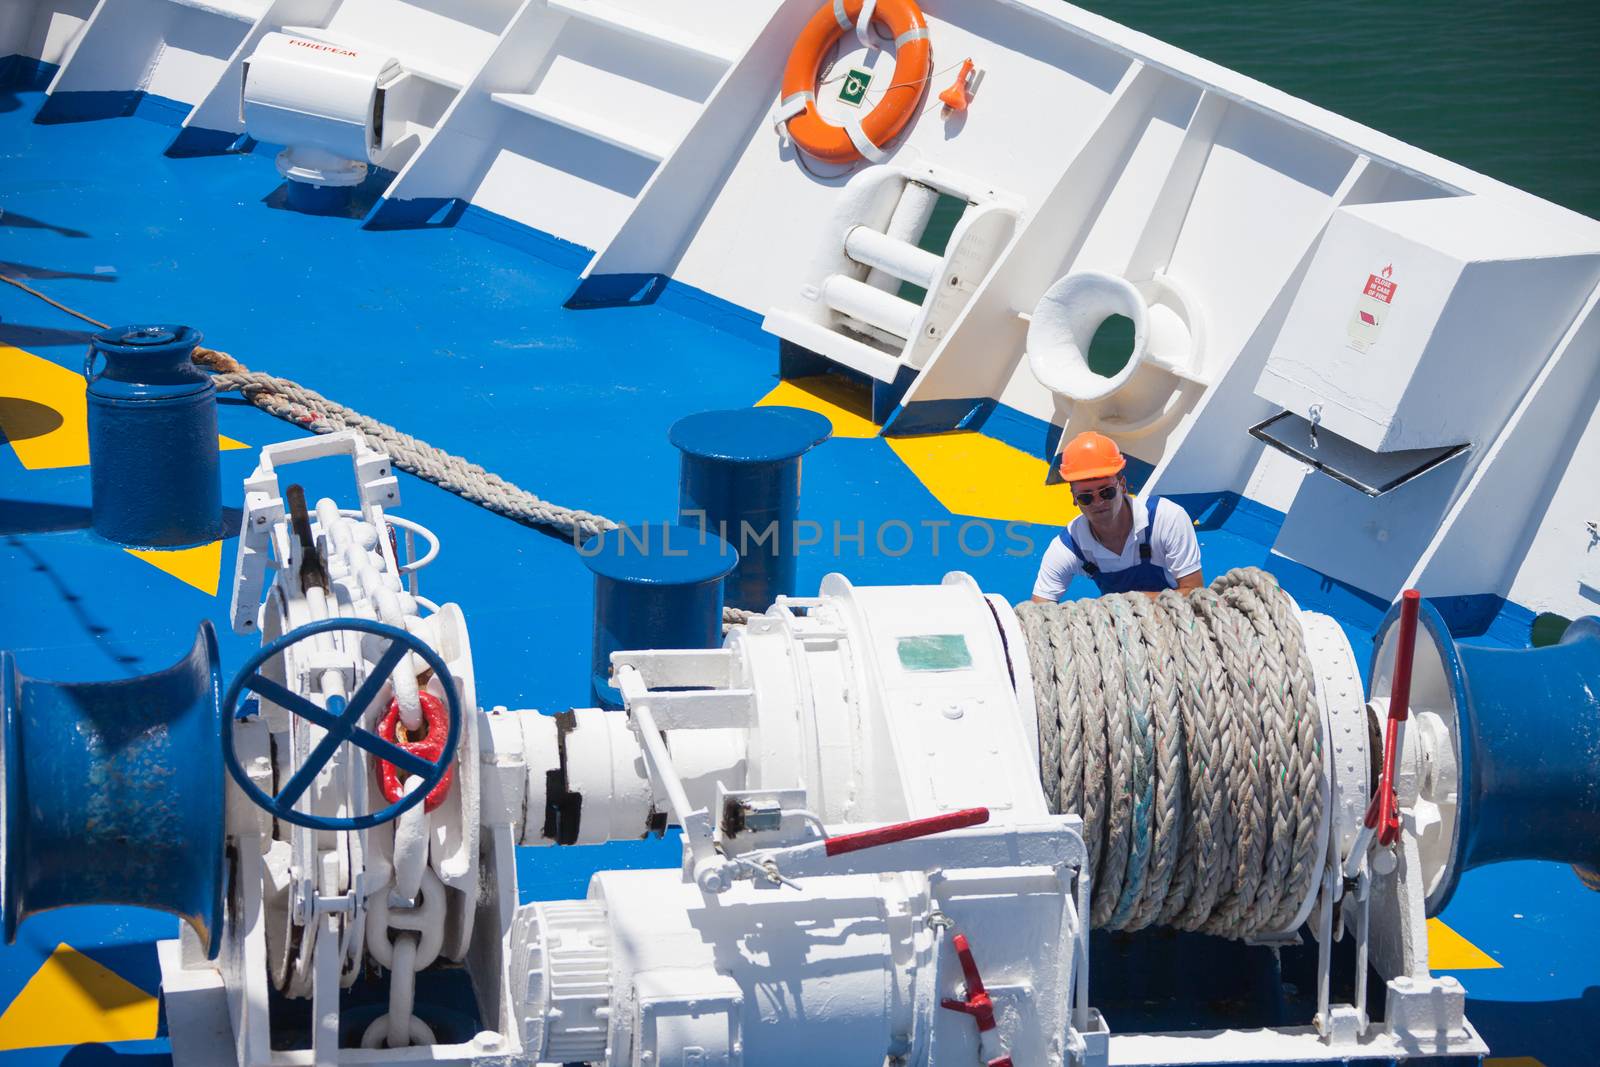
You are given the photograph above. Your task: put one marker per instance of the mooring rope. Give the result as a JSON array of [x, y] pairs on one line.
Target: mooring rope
[[1184, 730], [312, 411], [309, 409]]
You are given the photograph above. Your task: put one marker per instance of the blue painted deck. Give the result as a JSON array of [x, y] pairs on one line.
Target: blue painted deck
[[463, 342]]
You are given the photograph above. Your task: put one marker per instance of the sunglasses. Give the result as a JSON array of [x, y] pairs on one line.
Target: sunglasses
[[1106, 492]]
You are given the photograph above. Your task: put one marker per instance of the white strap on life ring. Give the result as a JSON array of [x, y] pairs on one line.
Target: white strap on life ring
[[864, 24], [918, 34], [863, 143], [788, 108]]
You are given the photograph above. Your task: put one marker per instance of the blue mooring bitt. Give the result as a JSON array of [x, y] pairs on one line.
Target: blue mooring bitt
[[1529, 758], [656, 585], [740, 478], [152, 439], [113, 791]]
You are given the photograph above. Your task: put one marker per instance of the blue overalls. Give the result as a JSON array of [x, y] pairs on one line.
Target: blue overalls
[[1142, 577]]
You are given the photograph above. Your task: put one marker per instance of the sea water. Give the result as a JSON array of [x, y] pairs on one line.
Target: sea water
[[1510, 89]]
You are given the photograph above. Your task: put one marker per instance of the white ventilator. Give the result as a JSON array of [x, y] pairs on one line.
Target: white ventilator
[[881, 857]]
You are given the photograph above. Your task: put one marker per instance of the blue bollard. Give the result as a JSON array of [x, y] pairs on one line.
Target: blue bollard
[[657, 585], [152, 439], [114, 792], [741, 478], [1527, 743]]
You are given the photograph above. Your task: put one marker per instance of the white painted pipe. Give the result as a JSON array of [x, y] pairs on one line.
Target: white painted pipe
[[605, 766], [906, 262], [910, 218], [873, 306]]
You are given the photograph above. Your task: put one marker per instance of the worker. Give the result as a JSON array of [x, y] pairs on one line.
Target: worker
[[1123, 545]]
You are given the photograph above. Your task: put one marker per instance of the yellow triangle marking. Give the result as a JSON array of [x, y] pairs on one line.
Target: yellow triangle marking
[[1449, 951], [200, 566], [843, 403], [71, 1000], [976, 475], [44, 414]]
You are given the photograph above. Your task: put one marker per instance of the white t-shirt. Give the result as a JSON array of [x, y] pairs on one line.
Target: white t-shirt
[[1173, 547]]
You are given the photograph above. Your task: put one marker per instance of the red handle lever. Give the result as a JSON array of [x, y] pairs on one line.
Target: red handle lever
[[978, 1003], [1383, 814], [904, 831]]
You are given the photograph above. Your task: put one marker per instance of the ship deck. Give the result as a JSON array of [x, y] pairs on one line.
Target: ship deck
[[461, 339]]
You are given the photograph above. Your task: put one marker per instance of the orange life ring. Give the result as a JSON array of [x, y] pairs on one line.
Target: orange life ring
[[864, 139]]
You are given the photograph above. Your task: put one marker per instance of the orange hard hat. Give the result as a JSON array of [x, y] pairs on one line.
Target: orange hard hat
[[1091, 455]]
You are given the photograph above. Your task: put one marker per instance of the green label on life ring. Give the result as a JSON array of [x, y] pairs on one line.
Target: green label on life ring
[[855, 85]]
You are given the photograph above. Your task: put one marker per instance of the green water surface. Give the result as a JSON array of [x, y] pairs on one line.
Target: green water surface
[[1508, 89]]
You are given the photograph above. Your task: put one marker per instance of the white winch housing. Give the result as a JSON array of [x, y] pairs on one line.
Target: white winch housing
[[858, 706], [865, 839]]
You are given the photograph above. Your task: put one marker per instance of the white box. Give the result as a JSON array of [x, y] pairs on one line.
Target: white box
[[1420, 323]]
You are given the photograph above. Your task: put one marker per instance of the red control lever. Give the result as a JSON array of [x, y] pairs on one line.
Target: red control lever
[[1383, 815], [904, 831], [978, 1005]]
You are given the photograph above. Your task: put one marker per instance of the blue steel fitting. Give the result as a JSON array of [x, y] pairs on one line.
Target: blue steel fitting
[[114, 792], [1527, 743], [656, 585], [152, 438], [740, 479]]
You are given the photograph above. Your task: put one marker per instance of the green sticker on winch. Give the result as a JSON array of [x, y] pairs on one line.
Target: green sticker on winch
[[934, 652], [855, 85]]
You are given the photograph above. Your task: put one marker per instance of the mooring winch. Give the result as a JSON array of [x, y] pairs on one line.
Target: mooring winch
[[902, 810]]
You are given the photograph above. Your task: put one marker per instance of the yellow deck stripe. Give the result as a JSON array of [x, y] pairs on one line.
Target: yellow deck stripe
[[71, 1000], [44, 413], [976, 475], [1449, 951], [200, 566], [843, 403]]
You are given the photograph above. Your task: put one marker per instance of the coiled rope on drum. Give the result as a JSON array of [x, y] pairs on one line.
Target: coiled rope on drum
[[1185, 731]]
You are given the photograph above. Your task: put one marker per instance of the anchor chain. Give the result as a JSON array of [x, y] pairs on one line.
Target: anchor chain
[[405, 931]]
